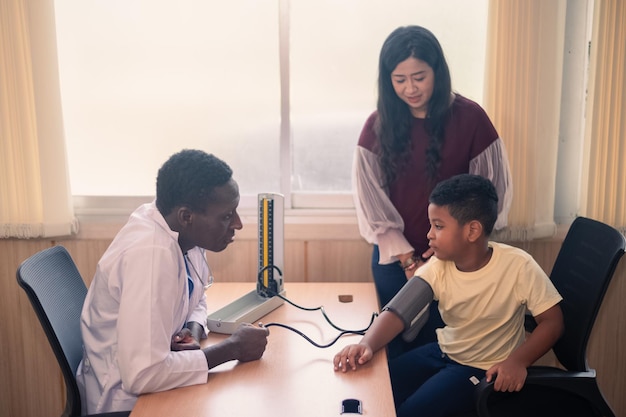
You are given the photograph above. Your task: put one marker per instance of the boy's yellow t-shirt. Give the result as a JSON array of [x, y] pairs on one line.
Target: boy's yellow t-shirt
[[484, 310]]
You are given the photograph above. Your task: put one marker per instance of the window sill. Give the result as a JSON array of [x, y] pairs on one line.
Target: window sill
[[103, 217]]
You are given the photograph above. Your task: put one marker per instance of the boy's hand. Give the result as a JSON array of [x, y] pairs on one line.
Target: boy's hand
[[509, 374], [351, 356]]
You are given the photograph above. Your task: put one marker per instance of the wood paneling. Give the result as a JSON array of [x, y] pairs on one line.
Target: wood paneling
[[31, 383], [338, 260]]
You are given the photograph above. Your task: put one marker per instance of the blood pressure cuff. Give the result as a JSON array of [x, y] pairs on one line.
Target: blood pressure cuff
[[411, 304]]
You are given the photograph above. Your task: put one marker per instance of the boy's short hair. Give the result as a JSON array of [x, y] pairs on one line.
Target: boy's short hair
[[468, 197], [188, 178]]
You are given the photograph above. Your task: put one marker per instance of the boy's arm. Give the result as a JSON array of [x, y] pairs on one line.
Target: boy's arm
[[386, 326], [511, 373]]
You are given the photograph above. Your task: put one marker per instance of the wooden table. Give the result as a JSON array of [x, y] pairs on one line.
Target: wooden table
[[294, 378]]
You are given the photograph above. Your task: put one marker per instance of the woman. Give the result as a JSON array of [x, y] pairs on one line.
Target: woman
[[421, 133]]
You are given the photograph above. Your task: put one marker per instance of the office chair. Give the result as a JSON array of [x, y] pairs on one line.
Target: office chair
[[582, 272], [57, 293]]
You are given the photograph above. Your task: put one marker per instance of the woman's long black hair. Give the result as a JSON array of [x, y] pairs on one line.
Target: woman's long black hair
[[394, 115]]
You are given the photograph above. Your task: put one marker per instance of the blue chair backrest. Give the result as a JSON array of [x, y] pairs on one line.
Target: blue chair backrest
[[57, 292]]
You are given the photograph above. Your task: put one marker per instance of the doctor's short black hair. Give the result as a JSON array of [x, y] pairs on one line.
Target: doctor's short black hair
[[468, 197], [189, 178]]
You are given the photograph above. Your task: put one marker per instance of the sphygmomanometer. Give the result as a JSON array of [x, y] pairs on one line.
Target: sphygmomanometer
[[411, 304]]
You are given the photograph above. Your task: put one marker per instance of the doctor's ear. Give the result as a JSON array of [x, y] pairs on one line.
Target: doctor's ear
[[184, 216]]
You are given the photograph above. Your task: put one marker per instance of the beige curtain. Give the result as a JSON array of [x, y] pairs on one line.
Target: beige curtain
[[522, 96], [35, 198], [604, 170]]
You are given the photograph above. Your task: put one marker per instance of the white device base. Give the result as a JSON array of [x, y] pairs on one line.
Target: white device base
[[247, 309]]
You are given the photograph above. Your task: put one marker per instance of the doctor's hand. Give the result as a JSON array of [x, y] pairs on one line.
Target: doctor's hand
[[184, 340], [246, 344], [249, 342]]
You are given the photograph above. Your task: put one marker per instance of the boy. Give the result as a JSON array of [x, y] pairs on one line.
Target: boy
[[484, 289]]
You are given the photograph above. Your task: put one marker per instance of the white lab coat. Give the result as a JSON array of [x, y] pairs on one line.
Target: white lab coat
[[137, 301]]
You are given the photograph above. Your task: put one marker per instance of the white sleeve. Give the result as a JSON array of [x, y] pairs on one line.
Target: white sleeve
[[493, 163], [379, 221]]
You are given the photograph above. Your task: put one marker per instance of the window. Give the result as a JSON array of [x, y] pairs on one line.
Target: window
[[142, 80]]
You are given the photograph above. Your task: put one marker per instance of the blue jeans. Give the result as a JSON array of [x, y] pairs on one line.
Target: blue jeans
[[388, 280], [426, 382]]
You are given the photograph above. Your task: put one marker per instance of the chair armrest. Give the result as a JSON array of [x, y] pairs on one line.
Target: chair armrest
[[559, 378], [581, 384], [482, 393]]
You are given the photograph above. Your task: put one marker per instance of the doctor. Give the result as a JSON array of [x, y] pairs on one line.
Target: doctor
[[145, 310]]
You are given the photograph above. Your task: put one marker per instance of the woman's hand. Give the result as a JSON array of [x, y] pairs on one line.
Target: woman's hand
[[410, 262]]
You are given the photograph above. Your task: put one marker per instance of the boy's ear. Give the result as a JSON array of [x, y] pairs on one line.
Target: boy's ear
[[475, 230]]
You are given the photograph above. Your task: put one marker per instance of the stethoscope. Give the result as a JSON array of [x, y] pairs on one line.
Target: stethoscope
[[206, 283]]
